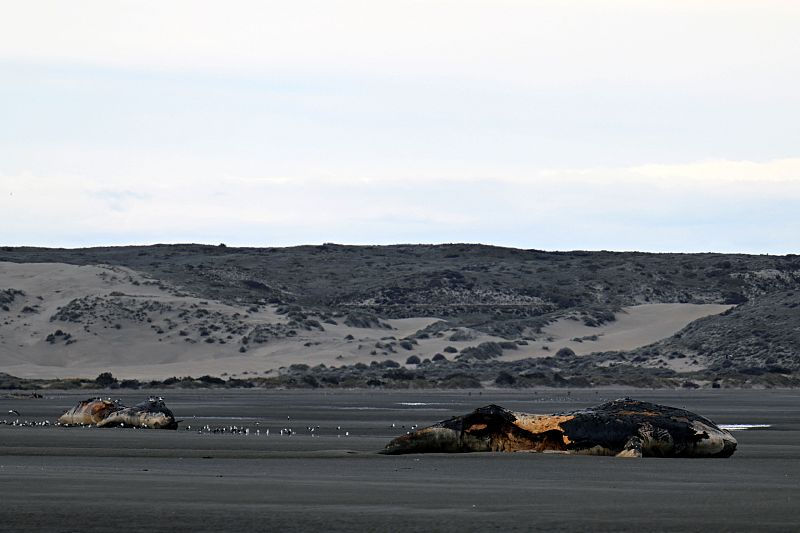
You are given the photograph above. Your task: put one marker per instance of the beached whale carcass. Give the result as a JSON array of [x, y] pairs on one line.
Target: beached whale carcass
[[88, 412], [624, 427], [153, 413]]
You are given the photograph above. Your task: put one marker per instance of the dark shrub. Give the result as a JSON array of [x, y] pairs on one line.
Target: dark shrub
[[253, 284], [401, 374], [482, 352], [565, 352], [579, 381], [359, 319], [439, 357], [775, 369], [211, 380], [129, 384], [239, 383], [105, 380], [504, 379], [309, 379], [734, 298], [412, 360], [462, 335]]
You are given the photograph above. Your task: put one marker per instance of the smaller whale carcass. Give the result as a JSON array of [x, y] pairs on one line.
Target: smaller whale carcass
[[624, 428], [88, 412], [152, 413]]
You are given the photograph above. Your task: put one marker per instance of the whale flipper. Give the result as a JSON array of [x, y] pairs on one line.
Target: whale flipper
[[633, 448]]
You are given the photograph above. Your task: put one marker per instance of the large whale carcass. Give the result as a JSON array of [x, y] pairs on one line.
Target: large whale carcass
[[624, 428], [153, 413]]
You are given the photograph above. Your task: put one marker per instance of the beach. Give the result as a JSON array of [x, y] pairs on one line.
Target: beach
[[89, 479]]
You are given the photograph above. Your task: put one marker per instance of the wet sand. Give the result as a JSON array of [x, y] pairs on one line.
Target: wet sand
[[88, 479]]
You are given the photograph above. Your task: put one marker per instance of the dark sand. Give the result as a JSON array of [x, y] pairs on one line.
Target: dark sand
[[88, 479]]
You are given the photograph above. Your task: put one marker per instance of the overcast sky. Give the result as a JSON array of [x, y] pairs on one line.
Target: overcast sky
[[605, 124]]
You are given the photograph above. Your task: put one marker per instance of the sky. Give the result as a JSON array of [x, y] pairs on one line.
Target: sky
[[605, 124]]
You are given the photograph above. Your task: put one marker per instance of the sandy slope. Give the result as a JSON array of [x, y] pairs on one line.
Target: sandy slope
[[634, 326], [136, 348], [165, 336], [48, 287]]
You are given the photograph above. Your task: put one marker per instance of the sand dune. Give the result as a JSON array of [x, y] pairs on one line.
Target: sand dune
[[635, 326], [164, 336], [115, 319]]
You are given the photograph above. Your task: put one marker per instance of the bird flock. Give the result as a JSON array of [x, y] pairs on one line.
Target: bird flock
[[312, 431], [16, 422]]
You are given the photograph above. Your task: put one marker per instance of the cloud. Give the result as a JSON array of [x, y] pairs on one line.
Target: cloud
[[618, 124], [541, 42], [778, 170], [720, 205], [119, 200], [706, 173], [700, 173]]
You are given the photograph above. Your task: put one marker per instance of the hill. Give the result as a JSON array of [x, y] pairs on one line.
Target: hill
[[150, 311]]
